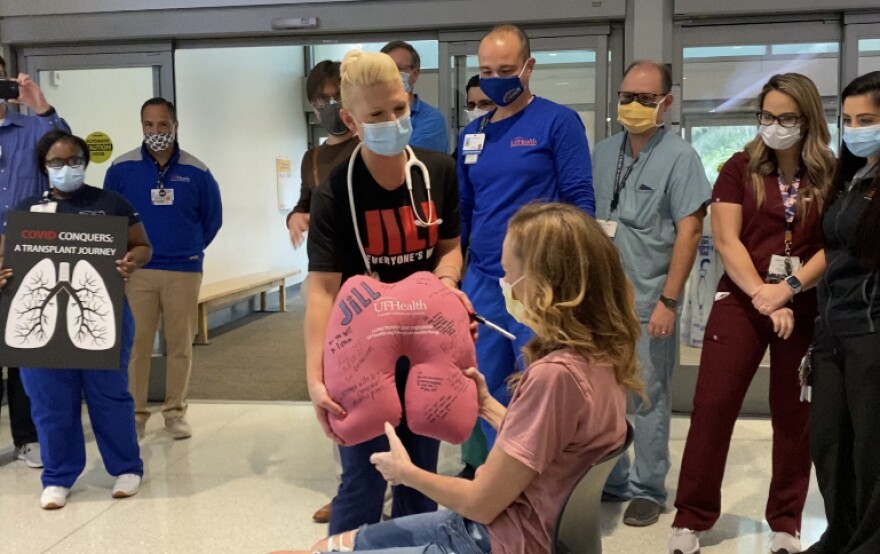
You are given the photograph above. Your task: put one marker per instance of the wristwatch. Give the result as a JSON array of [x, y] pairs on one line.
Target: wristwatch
[[794, 283], [670, 303]]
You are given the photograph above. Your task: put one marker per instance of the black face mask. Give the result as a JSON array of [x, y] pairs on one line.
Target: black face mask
[[330, 119]]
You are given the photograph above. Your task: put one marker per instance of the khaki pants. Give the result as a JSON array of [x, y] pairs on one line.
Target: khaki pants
[[174, 294]]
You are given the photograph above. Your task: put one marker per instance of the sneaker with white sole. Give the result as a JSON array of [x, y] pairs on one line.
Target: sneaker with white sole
[[684, 541], [30, 455], [178, 428], [54, 497], [783, 543], [127, 484]]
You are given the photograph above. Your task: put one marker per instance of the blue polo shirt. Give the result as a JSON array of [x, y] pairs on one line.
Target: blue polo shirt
[[429, 127], [179, 231], [666, 184], [20, 178], [540, 153]]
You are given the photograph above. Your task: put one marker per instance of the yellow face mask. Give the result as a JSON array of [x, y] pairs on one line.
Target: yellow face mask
[[637, 118]]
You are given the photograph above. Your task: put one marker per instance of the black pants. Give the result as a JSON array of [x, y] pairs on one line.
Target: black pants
[[23, 430], [845, 439]]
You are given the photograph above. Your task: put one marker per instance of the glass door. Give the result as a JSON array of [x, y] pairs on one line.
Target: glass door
[[100, 93], [571, 69]]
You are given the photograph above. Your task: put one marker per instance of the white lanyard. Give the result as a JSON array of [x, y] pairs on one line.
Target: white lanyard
[[412, 161]]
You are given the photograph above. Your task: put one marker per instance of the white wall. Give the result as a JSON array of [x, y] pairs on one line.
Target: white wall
[[73, 94], [238, 109]]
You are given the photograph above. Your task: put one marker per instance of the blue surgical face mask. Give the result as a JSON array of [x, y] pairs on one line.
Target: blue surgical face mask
[[864, 142], [405, 76], [66, 178], [503, 90], [388, 138]]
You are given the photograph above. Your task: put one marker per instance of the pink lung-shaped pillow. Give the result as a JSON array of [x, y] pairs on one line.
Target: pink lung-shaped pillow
[[372, 325]]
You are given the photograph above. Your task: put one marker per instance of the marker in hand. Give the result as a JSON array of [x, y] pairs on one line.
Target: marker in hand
[[500, 330]]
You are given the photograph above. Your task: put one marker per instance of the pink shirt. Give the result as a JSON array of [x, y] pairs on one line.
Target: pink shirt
[[566, 414]]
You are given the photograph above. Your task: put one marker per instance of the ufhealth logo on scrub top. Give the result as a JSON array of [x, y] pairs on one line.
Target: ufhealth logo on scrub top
[[519, 141]]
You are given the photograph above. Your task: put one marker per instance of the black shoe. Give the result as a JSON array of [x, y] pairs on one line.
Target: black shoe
[[468, 472], [611, 497], [642, 512]]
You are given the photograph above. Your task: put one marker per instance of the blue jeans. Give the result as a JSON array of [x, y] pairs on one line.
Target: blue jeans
[[646, 476], [497, 356], [442, 532], [362, 490]]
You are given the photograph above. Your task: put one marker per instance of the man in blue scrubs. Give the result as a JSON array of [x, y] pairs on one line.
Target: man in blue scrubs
[[526, 149], [651, 193], [429, 126]]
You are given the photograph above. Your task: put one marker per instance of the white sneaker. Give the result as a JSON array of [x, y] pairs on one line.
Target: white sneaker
[[178, 428], [54, 497], [783, 543], [684, 541], [30, 455], [127, 484]]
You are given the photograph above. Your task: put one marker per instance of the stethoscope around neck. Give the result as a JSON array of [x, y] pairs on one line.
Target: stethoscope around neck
[[411, 162]]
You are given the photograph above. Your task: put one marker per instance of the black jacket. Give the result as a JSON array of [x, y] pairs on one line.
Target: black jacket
[[849, 299]]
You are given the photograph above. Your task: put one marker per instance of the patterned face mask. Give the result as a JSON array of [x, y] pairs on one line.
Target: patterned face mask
[[159, 141]]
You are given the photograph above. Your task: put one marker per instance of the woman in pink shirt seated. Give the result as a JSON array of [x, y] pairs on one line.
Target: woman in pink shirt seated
[[563, 278]]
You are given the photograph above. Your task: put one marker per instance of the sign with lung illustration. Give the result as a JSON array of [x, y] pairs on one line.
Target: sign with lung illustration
[[62, 308]]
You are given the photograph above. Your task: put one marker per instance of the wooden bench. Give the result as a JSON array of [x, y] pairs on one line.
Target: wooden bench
[[225, 293]]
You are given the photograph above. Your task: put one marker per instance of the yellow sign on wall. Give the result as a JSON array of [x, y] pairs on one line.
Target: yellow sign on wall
[[100, 147]]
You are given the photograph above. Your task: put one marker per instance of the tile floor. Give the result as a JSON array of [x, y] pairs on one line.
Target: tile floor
[[251, 476]]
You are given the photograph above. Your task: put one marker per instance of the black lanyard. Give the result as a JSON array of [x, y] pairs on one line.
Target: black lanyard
[[618, 183], [485, 120]]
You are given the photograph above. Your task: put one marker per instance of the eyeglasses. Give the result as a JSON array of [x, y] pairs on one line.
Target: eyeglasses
[[322, 101], [58, 163], [644, 98], [482, 104], [785, 120]]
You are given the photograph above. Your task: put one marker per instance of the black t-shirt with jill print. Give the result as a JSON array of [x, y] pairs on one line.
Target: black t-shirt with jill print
[[395, 245]]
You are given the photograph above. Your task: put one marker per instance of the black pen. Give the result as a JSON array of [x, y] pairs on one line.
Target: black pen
[[500, 330]]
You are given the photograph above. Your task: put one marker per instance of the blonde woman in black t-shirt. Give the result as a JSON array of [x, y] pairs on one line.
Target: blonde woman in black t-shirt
[[389, 212]]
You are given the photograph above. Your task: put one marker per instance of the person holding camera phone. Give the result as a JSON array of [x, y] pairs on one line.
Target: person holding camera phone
[[20, 178]]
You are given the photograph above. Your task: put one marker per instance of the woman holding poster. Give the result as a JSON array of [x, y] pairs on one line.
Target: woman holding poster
[[56, 394]]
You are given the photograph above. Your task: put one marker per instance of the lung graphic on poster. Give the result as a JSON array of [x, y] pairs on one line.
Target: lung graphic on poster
[[33, 314], [63, 306]]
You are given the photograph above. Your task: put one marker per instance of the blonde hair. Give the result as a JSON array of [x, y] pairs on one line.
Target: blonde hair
[[576, 293], [817, 160], [364, 69]]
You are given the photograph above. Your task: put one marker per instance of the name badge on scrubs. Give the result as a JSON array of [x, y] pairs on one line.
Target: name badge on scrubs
[[777, 265], [472, 147], [610, 227], [45, 207], [162, 197]]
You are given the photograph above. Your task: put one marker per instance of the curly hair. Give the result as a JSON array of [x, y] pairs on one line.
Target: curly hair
[[576, 294]]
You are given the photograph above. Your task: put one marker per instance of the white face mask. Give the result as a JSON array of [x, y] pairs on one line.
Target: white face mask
[[475, 113], [778, 137]]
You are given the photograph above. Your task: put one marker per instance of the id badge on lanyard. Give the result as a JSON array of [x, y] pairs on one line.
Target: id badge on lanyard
[[473, 143], [786, 265]]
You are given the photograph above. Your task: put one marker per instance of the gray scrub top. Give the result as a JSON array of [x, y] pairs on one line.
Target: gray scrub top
[[666, 184]]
